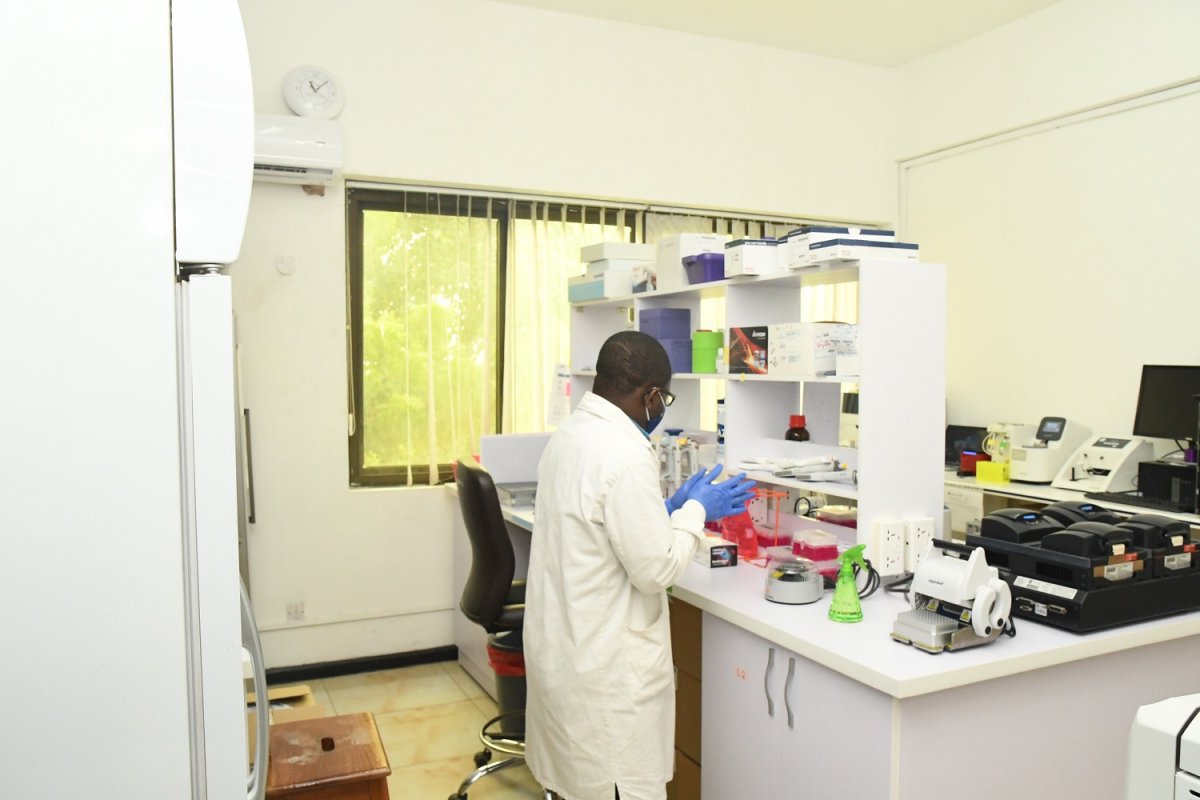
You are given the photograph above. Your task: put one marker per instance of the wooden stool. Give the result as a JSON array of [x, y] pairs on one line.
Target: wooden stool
[[329, 758]]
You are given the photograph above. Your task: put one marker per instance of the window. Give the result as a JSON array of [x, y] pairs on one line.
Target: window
[[458, 315]]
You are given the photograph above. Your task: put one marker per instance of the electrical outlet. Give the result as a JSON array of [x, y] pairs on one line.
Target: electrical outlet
[[887, 547], [295, 611], [918, 538]]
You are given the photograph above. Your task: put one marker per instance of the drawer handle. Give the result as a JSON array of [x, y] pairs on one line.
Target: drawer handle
[[767, 681], [787, 687]]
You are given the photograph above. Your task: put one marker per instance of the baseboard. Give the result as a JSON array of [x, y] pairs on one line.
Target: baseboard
[[353, 666]]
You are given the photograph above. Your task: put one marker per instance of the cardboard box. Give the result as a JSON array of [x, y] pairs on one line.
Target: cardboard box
[[748, 350], [714, 552], [614, 283], [604, 265], [665, 323], [672, 250], [803, 349], [617, 250], [803, 238], [859, 249], [750, 257]]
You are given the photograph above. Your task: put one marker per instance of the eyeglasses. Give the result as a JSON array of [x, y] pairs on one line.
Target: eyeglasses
[[667, 397]]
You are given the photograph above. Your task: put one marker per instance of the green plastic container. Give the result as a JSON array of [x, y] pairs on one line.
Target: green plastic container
[[704, 350]]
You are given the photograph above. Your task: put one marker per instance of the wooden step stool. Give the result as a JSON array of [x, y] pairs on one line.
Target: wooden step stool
[[330, 758]]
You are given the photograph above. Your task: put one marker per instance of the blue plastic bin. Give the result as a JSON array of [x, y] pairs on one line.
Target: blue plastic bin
[[705, 267]]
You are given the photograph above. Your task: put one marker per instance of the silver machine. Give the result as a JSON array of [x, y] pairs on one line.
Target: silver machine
[[958, 601]]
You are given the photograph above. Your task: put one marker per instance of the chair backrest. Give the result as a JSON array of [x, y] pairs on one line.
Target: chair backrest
[[492, 560]]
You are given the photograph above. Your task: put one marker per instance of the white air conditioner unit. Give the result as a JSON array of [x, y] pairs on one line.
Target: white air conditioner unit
[[296, 149]]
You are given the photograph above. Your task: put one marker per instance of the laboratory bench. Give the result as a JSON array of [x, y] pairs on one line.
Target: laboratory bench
[[793, 703]]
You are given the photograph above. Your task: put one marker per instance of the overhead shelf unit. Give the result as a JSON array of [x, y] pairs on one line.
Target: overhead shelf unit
[[902, 352]]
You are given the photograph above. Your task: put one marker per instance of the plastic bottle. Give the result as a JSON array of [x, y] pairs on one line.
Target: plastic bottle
[[797, 432], [846, 606]]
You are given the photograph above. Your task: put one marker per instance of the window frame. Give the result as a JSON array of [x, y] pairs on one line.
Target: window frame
[[359, 201]]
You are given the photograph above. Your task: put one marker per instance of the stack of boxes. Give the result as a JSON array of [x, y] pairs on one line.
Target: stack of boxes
[[673, 329], [673, 249], [614, 269], [810, 245]]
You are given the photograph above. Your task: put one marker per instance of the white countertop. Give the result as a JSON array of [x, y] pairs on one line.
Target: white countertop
[[866, 652]]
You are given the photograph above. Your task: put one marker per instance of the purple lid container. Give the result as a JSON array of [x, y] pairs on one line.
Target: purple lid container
[[705, 267]]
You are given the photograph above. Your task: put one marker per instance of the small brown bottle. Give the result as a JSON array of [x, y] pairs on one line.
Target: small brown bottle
[[797, 432]]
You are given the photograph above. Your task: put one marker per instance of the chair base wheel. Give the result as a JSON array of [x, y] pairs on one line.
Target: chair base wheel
[[483, 757]]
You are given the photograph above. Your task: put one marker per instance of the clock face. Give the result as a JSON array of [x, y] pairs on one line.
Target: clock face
[[313, 92]]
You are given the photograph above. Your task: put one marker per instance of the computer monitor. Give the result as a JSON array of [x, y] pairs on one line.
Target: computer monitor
[[1166, 407], [960, 438]]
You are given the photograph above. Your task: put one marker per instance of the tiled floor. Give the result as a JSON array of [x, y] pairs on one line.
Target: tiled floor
[[429, 718]]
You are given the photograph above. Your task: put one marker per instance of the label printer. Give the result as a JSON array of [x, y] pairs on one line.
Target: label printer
[[1164, 750]]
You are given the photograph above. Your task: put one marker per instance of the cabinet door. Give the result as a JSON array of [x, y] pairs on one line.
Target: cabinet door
[[741, 710], [836, 732]]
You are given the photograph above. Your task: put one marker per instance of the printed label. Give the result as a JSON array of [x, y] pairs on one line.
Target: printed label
[[1045, 588], [1119, 572], [1178, 561]]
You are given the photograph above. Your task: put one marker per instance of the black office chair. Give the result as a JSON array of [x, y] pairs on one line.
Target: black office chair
[[495, 602]]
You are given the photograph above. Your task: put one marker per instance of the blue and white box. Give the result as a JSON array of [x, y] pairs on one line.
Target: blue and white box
[[750, 257], [859, 249], [613, 283], [803, 238]]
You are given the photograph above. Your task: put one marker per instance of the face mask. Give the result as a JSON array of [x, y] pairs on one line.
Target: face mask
[[651, 424]]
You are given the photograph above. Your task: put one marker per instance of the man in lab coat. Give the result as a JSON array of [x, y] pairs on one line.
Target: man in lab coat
[[600, 713]]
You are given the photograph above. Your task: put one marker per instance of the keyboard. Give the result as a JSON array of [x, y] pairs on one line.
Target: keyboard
[[1134, 499]]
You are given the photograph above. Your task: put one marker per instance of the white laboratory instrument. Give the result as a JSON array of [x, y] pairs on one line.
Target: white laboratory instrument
[[1164, 750], [793, 580], [1040, 459], [678, 459], [1104, 464], [958, 601], [1001, 436]]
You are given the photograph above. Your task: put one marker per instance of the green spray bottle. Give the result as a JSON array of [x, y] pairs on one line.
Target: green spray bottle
[[846, 607]]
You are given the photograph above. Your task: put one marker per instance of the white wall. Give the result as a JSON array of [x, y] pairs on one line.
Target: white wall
[[481, 93], [1070, 250]]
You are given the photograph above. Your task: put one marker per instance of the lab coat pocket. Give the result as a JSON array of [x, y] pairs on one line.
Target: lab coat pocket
[[648, 652]]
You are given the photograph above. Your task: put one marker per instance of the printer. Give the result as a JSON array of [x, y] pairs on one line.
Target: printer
[[1164, 750]]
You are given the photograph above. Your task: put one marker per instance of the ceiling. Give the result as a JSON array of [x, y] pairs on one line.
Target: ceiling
[[880, 32]]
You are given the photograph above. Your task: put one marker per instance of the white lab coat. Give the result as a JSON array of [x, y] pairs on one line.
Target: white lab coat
[[600, 706]]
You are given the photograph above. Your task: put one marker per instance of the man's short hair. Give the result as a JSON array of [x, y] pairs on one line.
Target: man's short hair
[[628, 361]]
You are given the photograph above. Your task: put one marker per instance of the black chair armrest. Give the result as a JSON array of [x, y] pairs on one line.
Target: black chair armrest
[[516, 595]]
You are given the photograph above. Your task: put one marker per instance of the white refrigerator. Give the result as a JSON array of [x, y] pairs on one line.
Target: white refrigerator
[[129, 136]]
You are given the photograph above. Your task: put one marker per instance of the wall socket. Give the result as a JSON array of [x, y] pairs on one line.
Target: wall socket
[[887, 547], [918, 536], [295, 611]]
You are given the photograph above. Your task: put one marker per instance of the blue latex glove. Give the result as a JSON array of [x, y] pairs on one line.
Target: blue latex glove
[[738, 492], [715, 497], [680, 497]]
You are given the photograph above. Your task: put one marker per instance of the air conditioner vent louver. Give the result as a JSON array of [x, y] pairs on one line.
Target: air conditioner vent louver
[[296, 149]]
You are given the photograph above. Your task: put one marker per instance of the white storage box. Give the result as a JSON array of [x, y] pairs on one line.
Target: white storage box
[[800, 240], [750, 257], [672, 250], [605, 264], [805, 349], [858, 249], [716, 552], [614, 283], [617, 250]]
